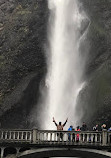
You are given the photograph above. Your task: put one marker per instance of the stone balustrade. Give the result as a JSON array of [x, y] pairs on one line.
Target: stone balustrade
[[15, 135], [56, 137], [68, 137], [108, 138]]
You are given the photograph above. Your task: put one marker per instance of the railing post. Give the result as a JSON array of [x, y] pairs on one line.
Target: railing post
[[80, 137], [1, 135], [96, 138], [104, 137], [18, 136], [54, 137], [100, 138], [26, 136], [30, 136], [34, 135], [47, 136], [87, 137], [109, 138], [17, 149], [22, 136]]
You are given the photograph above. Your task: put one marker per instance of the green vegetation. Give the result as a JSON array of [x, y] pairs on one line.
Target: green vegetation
[[23, 12], [98, 28]]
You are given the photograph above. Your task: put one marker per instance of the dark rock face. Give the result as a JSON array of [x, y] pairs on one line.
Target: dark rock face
[[23, 27], [95, 99]]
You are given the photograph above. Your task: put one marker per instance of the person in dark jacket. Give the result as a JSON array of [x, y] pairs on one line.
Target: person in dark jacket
[[103, 127], [84, 127], [95, 128]]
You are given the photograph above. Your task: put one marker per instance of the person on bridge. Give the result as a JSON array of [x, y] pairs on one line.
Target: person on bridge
[[77, 135], [60, 127], [84, 127], [103, 127], [95, 128], [109, 129], [70, 129]]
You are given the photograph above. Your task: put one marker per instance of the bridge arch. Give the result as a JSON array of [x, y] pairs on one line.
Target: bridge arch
[[65, 152], [23, 149], [9, 151]]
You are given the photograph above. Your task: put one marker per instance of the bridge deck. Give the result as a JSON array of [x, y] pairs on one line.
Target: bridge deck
[[42, 139]]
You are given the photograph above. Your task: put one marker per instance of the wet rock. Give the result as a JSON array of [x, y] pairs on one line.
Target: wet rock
[[95, 99], [22, 60]]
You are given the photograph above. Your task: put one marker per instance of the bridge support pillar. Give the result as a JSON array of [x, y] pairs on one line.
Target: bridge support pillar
[[17, 149], [2, 152], [104, 137]]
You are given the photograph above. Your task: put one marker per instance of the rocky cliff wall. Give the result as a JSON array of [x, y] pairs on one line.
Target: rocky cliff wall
[[95, 102], [23, 28]]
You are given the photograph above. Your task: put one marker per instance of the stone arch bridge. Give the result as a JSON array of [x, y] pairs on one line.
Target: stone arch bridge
[[44, 143]]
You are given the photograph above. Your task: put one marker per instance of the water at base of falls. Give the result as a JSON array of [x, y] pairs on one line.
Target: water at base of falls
[[66, 63]]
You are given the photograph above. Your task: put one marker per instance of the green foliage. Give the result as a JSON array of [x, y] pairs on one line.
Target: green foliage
[[98, 29], [1, 57], [23, 12], [102, 86]]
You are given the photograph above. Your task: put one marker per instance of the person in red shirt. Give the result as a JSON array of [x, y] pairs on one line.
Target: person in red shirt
[[77, 136]]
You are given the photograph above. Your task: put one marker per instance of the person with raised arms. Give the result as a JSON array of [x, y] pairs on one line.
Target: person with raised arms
[[60, 127]]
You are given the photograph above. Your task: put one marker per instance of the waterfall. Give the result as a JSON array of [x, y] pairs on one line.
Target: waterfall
[[66, 58]]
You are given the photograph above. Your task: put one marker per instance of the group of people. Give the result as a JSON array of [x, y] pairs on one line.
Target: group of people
[[96, 128], [60, 126], [84, 127]]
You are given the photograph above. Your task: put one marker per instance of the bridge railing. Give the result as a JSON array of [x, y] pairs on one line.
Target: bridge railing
[[68, 137], [56, 137], [15, 135], [109, 137]]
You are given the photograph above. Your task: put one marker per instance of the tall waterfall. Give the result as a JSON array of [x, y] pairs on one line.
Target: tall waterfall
[[66, 57]]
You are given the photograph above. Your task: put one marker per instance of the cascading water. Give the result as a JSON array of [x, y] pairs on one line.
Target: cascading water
[[68, 25]]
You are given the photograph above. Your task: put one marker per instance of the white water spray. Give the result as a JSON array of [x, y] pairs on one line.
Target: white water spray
[[67, 30]]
